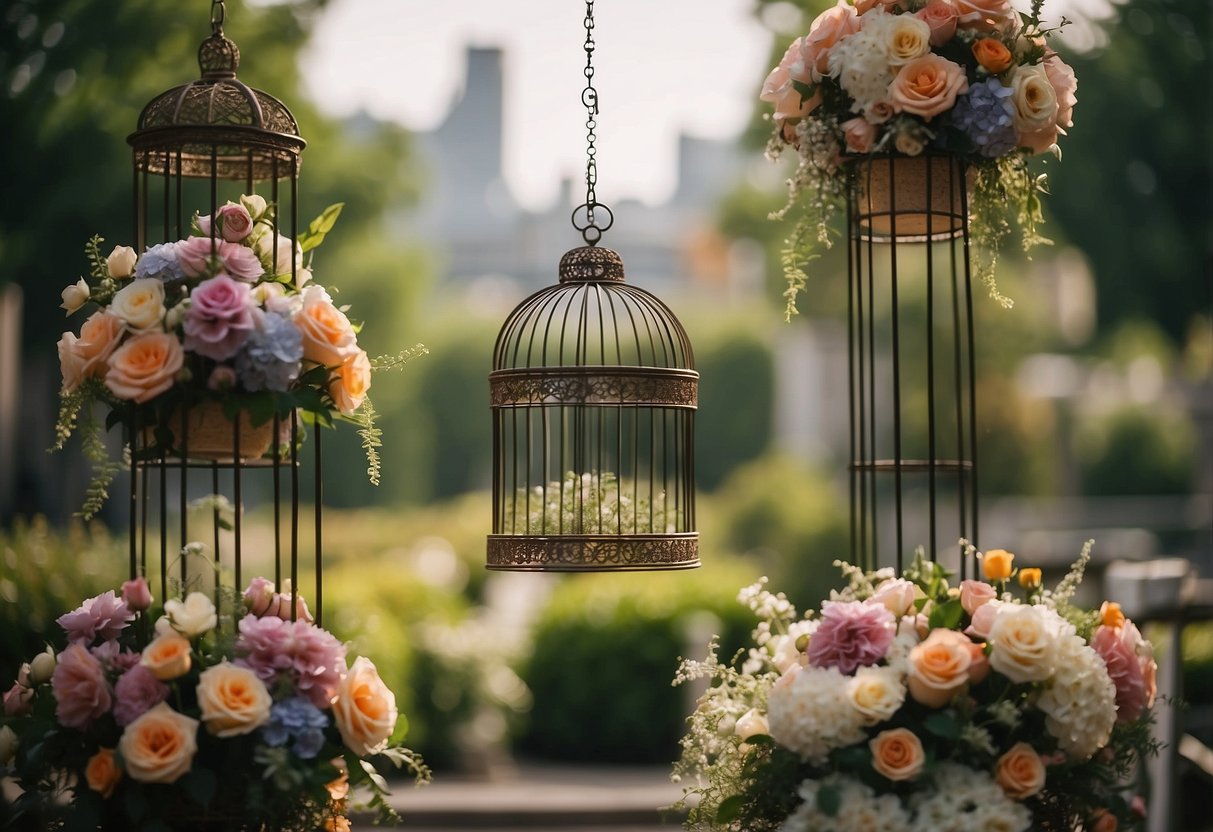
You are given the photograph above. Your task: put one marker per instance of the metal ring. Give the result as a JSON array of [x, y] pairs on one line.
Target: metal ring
[[598, 209]]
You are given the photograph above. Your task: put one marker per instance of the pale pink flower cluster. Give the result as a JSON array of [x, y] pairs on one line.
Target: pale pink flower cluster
[[852, 634], [104, 616], [310, 658]]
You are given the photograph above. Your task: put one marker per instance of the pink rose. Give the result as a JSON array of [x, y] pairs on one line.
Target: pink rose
[[941, 16], [927, 86], [878, 112], [859, 135], [136, 594], [829, 28], [80, 688], [983, 618], [235, 223], [197, 255], [852, 634], [220, 317], [18, 700], [1061, 77], [975, 593], [1130, 666], [137, 692], [240, 262], [780, 90], [984, 15], [259, 596]]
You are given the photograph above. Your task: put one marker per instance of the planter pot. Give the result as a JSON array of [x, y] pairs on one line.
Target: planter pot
[[910, 198], [211, 435]]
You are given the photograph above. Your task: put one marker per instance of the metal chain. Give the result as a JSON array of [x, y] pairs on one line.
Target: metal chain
[[591, 229], [218, 13]]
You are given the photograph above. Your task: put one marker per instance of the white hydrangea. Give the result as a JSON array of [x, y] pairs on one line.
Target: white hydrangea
[[1080, 700], [861, 62], [965, 800], [810, 712], [784, 652], [898, 655], [859, 809]]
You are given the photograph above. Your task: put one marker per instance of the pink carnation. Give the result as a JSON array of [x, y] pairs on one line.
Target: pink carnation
[[80, 688], [851, 634], [104, 616], [113, 658], [311, 657], [1130, 666], [240, 262], [220, 317], [137, 692]]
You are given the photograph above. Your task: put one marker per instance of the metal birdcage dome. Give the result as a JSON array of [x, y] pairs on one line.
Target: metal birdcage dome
[[594, 391]]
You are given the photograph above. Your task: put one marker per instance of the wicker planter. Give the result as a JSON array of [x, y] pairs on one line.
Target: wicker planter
[[211, 434], [910, 198]]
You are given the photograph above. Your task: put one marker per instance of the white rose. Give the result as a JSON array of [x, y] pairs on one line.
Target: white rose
[[876, 693], [303, 277], [1034, 99], [121, 262], [751, 724], [264, 248], [897, 595], [140, 304], [174, 316], [8, 744], [1024, 643], [193, 616], [74, 296], [254, 204], [907, 38], [42, 666], [263, 292]]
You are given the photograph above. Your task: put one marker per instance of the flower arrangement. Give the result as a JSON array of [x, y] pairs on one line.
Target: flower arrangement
[[971, 78], [230, 315], [245, 717], [593, 504], [909, 704]]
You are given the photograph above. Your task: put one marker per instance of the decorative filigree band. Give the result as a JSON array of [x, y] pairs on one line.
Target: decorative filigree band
[[572, 553], [591, 263], [595, 385]]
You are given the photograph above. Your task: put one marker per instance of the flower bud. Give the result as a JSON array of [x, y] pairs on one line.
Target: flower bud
[[136, 594], [751, 724], [42, 666], [254, 204], [259, 596], [121, 262], [1029, 578], [996, 564], [8, 744], [74, 296]]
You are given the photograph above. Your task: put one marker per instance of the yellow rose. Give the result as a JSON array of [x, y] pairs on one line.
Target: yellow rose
[[328, 336], [168, 656], [140, 304], [364, 709], [1020, 772], [897, 754], [1029, 578], [996, 564], [939, 668], [233, 700], [102, 773], [350, 383], [876, 693], [1110, 615], [192, 617], [159, 746], [144, 367]]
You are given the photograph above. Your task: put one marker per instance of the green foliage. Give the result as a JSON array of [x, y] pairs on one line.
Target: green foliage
[[1137, 449]]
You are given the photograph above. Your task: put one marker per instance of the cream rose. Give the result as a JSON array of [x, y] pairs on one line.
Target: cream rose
[[192, 617], [906, 39], [233, 700], [168, 656], [328, 336], [144, 367], [897, 595], [364, 709], [159, 746], [927, 86], [121, 262], [140, 304], [351, 383], [876, 693], [939, 668], [751, 724], [1034, 99], [909, 142], [1064, 84], [74, 296], [1024, 643], [1020, 772], [897, 754]]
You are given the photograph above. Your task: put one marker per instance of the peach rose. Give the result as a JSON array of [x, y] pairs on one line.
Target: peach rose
[[996, 564], [897, 754], [927, 86], [992, 54], [168, 656], [328, 336], [779, 89], [140, 304], [908, 38], [1020, 772], [159, 746], [102, 773], [975, 593], [828, 29], [144, 367], [940, 16], [984, 15], [364, 709], [939, 668], [99, 337], [233, 700], [1103, 821], [350, 383]]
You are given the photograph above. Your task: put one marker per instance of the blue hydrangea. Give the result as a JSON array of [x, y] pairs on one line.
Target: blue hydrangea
[[298, 719], [160, 262], [986, 115], [270, 358]]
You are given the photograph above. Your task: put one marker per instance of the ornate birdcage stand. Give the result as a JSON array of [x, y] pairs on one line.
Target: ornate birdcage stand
[[911, 373], [199, 144]]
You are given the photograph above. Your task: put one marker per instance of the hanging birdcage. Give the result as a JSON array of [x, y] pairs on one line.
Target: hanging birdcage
[[594, 391], [911, 370], [201, 144]]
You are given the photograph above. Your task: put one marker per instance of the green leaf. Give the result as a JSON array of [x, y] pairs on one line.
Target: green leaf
[[943, 724], [319, 227], [946, 615], [730, 808], [829, 801], [200, 786]]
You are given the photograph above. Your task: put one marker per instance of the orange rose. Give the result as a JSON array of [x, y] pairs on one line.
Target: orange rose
[[927, 86], [233, 700], [364, 709], [350, 383], [992, 54], [168, 656], [897, 754], [939, 667], [996, 564], [145, 366], [1020, 772], [328, 336], [1110, 615], [159, 746], [102, 772], [1029, 578]]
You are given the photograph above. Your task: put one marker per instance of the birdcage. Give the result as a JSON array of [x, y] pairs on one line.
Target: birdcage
[[911, 369], [594, 391], [202, 144]]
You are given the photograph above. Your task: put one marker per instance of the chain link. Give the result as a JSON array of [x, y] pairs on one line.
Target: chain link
[[218, 13], [592, 229]]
